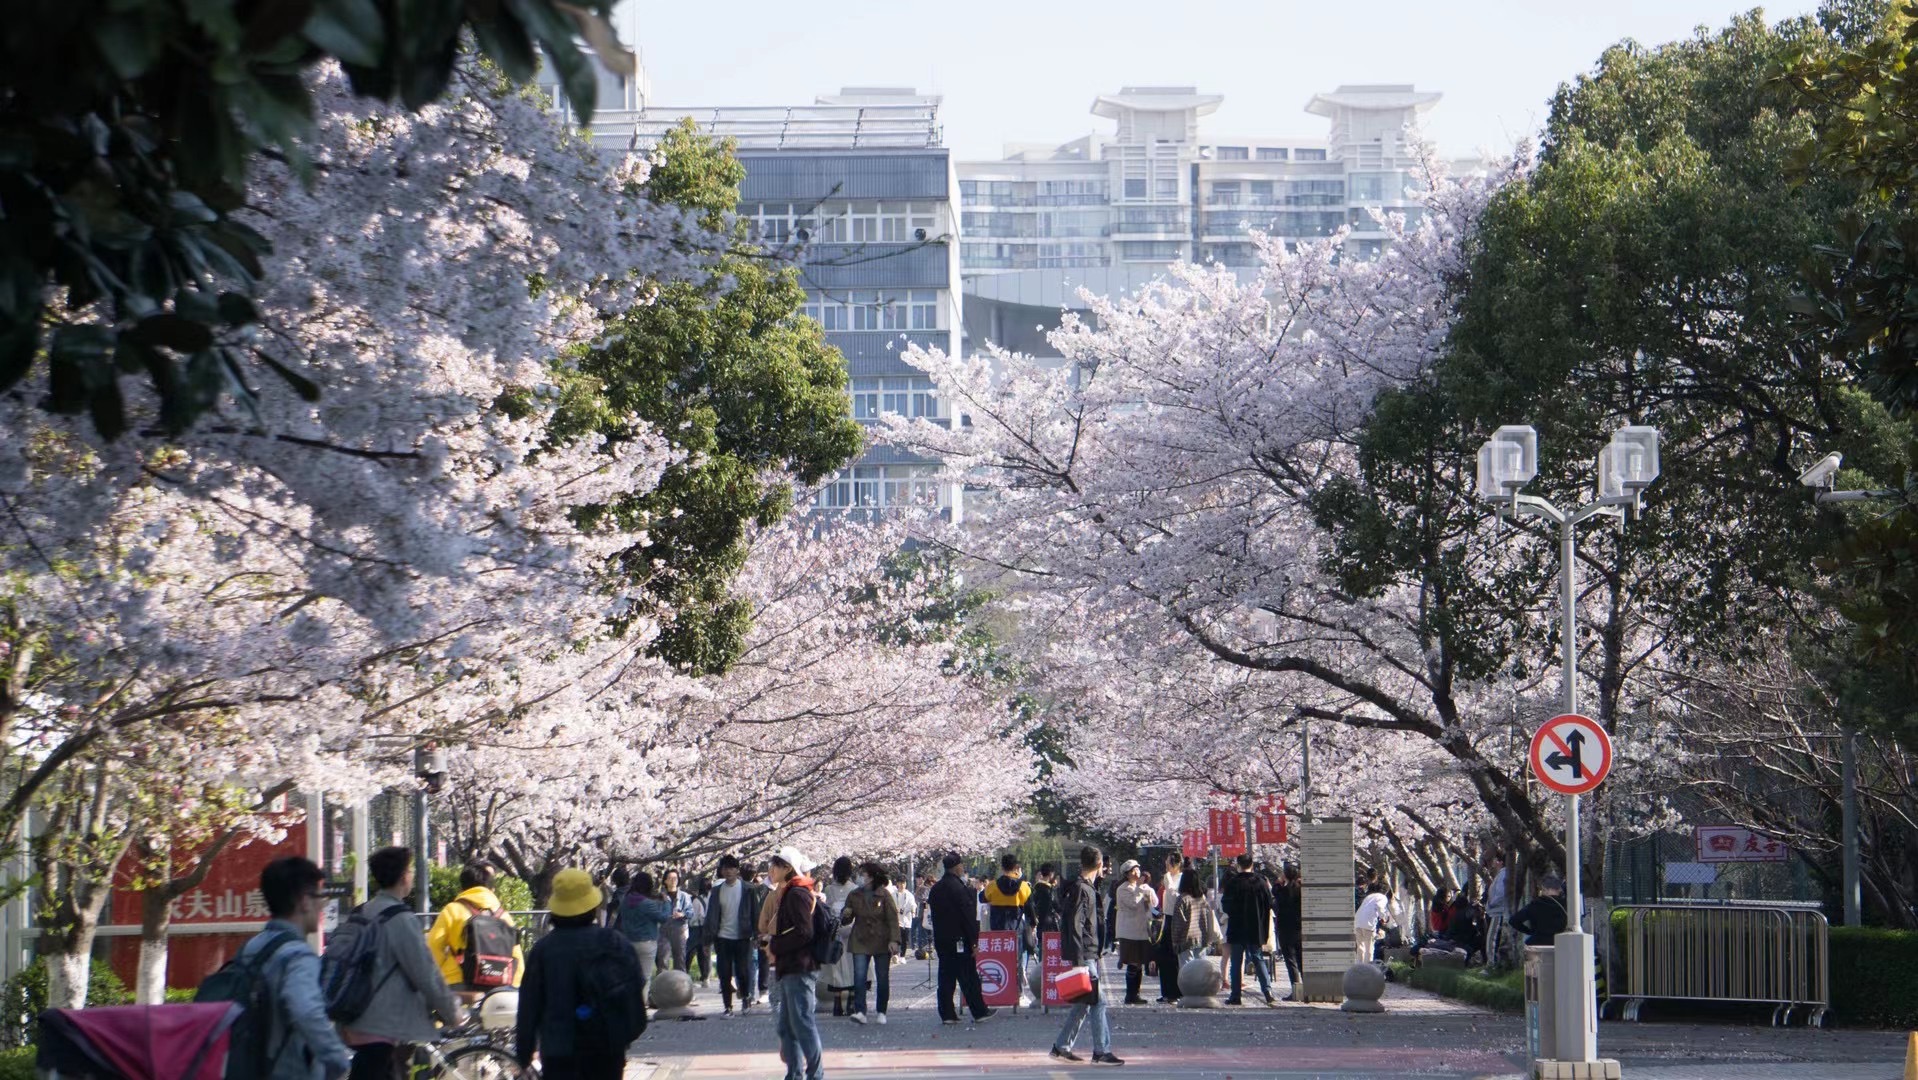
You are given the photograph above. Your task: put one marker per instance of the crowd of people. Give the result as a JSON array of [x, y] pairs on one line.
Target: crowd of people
[[772, 933]]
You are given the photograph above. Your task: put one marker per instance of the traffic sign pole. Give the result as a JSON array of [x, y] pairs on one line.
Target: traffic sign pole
[[1574, 995]]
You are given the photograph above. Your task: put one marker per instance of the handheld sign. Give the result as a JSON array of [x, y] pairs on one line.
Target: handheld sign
[[1571, 754]]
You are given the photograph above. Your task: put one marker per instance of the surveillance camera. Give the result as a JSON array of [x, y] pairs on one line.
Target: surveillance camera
[[1821, 474]]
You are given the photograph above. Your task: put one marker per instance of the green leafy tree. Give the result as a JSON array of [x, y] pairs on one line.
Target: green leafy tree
[[127, 128], [741, 383]]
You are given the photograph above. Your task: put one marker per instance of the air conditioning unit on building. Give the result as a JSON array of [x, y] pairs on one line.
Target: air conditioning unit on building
[[802, 235], [919, 235]]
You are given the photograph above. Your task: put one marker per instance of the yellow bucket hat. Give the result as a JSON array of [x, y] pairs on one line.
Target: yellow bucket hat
[[573, 893]]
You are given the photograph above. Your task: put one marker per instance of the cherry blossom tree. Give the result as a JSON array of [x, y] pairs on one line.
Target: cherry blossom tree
[[323, 582]]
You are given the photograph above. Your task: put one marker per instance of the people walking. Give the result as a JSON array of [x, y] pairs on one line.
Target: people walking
[[301, 1043], [955, 938], [583, 1001], [762, 889], [1288, 910], [401, 1009], [922, 930], [786, 927], [675, 911], [699, 957], [1133, 900], [732, 914], [1166, 952], [1081, 916], [1542, 920], [838, 976], [908, 906], [1006, 898], [1498, 912], [1044, 903], [1375, 910], [638, 920], [1191, 926], [450, 936], [1248, 922], [874, 940]]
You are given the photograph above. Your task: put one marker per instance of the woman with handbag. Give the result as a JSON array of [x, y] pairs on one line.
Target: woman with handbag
[[1133, 900]]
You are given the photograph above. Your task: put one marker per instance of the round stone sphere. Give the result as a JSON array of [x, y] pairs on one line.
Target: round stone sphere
[[1036, 982], [670, 990], [1364, 985], [1201, 978]]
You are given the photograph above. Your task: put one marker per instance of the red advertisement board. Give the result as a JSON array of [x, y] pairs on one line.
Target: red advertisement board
[[229, 897], [1728, 843], [1192, 843], [1051, 963], [1268, 822], [998, 962], [1226, 830]]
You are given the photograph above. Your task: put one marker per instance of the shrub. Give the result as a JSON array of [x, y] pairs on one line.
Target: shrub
[[24, 998], [511, 891], [1874, 976], [1504, 992], [17, 1064]]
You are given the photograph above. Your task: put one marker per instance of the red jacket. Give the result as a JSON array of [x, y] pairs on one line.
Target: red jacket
[[792, 928]]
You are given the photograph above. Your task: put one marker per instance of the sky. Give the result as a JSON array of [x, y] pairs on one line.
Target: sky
[[1027, 71]]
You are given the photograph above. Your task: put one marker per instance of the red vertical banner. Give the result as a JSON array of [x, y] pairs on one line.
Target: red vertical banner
[[1226, 830], [1268, 821], [1192, 843], [1053, 964]]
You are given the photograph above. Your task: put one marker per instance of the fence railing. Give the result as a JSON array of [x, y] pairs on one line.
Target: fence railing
[[1776, 955]]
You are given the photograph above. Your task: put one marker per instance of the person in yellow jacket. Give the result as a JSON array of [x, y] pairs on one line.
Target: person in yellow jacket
[[447, 939], [1006, 898]]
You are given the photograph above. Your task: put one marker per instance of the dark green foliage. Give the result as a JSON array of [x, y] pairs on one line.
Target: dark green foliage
[[127, 128], [1504, 992], [17, 1064], [737, 380], [511, 891], [1874, 977], [24, 998]]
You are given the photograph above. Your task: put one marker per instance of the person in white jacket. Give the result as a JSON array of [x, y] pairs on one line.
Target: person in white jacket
[[908, 907], [1375, 909]]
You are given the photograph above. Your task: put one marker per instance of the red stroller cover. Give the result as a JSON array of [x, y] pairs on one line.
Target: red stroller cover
[[138, 1042]]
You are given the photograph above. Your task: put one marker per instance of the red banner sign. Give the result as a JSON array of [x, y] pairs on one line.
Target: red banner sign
[[1226, 830], [1268, 822], [998, 962], [1727, 843], [1052, 965], [1192, 843]]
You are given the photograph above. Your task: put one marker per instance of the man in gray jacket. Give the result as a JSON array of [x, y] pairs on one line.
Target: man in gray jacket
[[408, 989]]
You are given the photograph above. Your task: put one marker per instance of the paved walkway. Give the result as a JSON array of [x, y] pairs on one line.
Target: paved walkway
[[1421, 1036]]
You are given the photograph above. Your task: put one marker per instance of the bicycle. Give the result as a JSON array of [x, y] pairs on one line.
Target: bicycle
[[467, 1052]]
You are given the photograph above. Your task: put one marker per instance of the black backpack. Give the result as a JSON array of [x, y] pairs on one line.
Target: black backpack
[[487, 959], [610, 1011], [242, 981], [826, 946], [352, 957]]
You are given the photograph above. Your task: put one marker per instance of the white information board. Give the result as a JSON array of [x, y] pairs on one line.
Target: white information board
[[1326, 866]]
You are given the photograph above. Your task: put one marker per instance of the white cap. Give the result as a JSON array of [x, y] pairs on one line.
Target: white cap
[[791, 857]]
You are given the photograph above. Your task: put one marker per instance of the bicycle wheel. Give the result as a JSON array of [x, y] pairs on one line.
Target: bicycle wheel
[[483, 1063]]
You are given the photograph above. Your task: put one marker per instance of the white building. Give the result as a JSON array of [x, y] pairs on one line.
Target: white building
[[1110, 212]]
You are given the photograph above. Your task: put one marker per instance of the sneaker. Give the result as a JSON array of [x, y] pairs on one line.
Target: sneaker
[[880, 1019], [857, 1018], [985, 1016], [728, 1012], [1062, 1054], [1107, 1058], [1235, 1000], [1293, 996], [950, 1023], [1271, 1001]]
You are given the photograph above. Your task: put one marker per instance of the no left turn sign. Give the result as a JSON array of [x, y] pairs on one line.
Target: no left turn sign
[[1571, 754]]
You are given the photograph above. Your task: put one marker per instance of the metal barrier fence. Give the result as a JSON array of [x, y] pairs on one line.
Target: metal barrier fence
[[1776, 955]]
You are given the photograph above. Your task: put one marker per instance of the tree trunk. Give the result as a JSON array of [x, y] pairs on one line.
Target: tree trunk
[[156, 920]]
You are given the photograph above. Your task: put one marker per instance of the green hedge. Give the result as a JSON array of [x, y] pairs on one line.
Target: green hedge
[[1504, 992], [514, 893], [17, 1064], [1874, 976], [24, 998]]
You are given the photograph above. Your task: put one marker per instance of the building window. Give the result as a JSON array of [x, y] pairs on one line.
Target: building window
[[875, 486], [875, 309], [1309, 153], [1272, 153], [902, 395], [1166, 188], [1150, 250], [1134, 189], [1232, 153], [1261, 191], [1226, 192]]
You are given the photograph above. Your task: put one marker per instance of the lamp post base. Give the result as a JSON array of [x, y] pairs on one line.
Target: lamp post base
[[1576, 1070], [1576, 1015]]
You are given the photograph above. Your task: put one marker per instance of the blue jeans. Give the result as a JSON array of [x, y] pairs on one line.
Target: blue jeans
[[1096, 1010], [882, 978], [1240, 949], [793, 1001]]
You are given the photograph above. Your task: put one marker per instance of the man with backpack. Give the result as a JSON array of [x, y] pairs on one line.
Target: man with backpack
[[583, 1000], [283, 1032], [381, 984], [791, 924], [474, 939]]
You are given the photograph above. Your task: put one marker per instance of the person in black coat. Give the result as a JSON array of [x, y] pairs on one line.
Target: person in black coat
[[1542, 920], [1288, 905], [1248, 914], [1082, 910], [955, 937], [550, 1005]]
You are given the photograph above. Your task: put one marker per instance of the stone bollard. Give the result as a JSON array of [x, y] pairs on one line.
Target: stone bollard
[[671, 992], [1364, 986], [1200, 981], [1036, 982]]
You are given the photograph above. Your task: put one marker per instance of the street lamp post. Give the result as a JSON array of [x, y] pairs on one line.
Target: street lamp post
[[1626, 467]]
